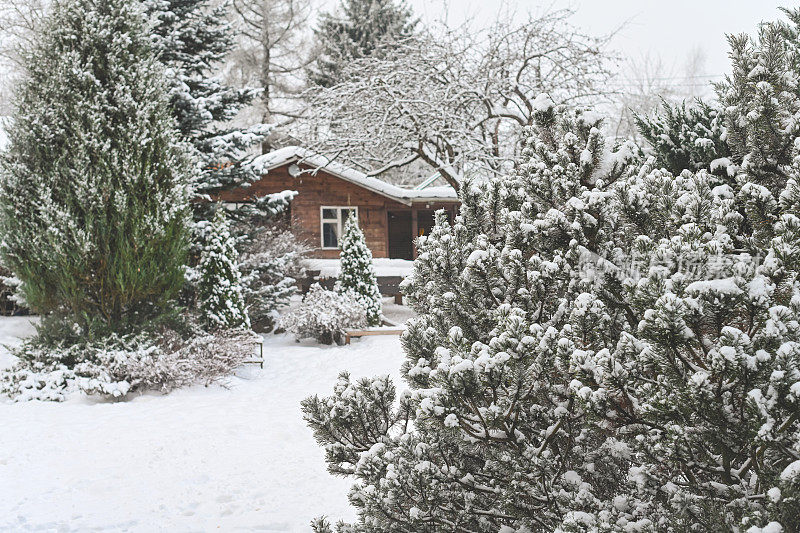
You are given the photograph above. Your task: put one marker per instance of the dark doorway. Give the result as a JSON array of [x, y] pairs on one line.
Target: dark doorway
[[424, 222], [400, 238]]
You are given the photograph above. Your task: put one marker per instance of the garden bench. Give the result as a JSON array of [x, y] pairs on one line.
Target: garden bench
[[356, 333], [257, 360]]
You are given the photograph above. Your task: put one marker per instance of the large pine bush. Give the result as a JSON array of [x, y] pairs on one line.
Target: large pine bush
[[93, 203], [601, 346]]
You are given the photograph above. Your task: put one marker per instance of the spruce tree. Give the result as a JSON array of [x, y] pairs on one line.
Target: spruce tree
[[365, 28], [192, 39], [357, 273], [93, 202], [220, 285]]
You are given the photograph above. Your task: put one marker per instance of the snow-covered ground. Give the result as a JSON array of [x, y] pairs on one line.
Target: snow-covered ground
[[229, 459], [329, 268]]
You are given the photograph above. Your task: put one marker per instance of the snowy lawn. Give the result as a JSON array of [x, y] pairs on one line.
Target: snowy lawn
[[199, 459]]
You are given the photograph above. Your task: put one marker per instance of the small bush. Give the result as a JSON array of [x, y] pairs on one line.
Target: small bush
[[325, 315], [270, 263], [118, 366]]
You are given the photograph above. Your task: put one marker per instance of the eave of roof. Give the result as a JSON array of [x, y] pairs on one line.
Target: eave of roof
[[266, 162]]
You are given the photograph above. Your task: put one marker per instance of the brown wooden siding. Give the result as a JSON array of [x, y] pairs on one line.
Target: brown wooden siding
[[323, 189]]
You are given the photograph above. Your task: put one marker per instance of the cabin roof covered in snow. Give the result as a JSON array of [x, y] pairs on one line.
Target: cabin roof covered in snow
[[264, 163]]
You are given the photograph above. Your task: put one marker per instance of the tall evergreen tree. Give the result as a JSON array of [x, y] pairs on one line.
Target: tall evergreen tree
[[364, 28], [357, 273], [192, 39], [93, 202]]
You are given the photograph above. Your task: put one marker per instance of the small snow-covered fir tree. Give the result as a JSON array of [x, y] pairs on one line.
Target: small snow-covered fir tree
[[357, 272], [220, 295], [93, 202], [192, 39], [365, 27]]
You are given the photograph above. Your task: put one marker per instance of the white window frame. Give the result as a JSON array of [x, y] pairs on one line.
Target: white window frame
[[338, 220]]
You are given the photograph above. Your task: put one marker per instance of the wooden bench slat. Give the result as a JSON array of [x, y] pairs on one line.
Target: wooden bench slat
[[367, 332]]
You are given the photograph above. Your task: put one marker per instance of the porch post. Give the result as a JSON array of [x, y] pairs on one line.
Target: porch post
[[414, 230]]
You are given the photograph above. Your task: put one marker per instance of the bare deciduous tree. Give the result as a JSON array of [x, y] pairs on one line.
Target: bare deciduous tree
[[454, 100], [18, 22], [272, 52]]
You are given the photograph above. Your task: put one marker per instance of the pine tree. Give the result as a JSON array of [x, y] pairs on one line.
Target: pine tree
[[690, 137], [357, 273], [192, 39], [220, 286], [598, 347], [366, 28], [93, 202], [498, 439]]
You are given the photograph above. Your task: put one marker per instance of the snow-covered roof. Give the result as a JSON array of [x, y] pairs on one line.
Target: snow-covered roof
[[265, 163]]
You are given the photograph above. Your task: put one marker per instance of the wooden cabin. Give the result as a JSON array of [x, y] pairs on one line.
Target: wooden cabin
[[391, 217]]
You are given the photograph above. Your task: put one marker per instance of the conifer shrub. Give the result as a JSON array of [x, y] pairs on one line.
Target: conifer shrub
[[94, 216], [220, 297], [601, 345], [93, 198], [357, 272]]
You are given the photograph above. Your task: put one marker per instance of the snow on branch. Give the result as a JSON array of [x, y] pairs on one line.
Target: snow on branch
[[454, 100]]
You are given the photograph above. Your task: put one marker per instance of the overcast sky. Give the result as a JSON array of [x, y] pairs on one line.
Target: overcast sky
[[670, 28]]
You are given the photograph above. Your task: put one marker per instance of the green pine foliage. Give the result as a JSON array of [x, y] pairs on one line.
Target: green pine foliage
[[498, 438], [357, 273], [220, 297], [192, 39], [364, 28], [93, 202], [689, 137], [601, 345], [761, 99]]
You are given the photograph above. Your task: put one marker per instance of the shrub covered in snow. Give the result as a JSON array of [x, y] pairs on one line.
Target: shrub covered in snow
[[498, 439], [325, 315], [118, 366], [600, 345], [689, 137], [357, 273], [270, 262], [219, 286]]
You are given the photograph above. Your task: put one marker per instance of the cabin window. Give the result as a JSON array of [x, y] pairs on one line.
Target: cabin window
[[332, 224]]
